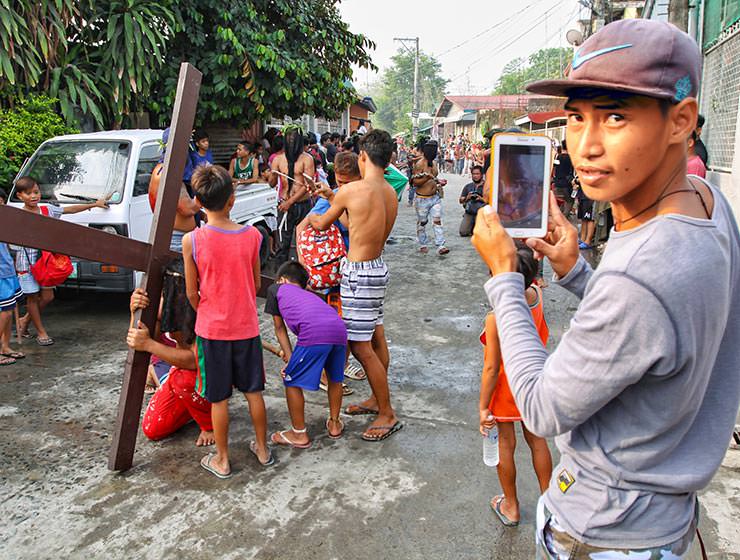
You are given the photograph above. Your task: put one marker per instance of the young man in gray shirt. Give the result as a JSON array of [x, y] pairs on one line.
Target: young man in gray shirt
[[643, 389]]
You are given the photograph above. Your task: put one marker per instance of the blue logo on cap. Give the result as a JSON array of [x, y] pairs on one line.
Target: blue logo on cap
[[578, 60], [683, 88]]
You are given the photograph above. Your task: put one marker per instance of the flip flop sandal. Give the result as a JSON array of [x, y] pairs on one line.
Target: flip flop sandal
[[279, 438], [7, 361], [205, 462], [150, 390], [359, 410], [270, 459], [48, 341], [26, 334], [355, 372], [496, 507], [341, 433], [346, 389], [14, 355], [391, 430]]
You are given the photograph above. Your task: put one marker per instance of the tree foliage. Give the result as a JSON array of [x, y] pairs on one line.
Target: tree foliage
[[263, 58], [396, 89], [106, 59], [99, 58], [542, 65], [22, 129]]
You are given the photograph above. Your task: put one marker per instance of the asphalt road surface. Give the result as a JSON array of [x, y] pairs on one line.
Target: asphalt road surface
[[422, 494]]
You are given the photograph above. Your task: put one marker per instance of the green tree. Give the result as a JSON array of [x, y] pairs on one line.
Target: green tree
[[541, 65], [263, 58], [396, 89], [99, 58], [22, 129]]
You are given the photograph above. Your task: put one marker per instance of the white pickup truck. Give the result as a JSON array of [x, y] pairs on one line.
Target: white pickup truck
[[84, 167]]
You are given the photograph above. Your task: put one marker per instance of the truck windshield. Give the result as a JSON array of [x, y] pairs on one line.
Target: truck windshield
[[70, 172]]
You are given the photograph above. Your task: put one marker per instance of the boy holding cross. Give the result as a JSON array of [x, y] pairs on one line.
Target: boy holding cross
[[643, 389]]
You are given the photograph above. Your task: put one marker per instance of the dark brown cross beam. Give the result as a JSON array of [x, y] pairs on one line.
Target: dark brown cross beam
[[40, 232]]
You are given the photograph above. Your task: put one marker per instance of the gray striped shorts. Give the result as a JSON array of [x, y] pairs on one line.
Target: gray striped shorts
[[362, 288]]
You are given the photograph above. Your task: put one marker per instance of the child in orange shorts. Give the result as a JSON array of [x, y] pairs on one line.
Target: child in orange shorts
[[496, 401]]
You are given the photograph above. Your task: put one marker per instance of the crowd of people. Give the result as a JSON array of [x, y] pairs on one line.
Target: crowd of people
[[630, 467]]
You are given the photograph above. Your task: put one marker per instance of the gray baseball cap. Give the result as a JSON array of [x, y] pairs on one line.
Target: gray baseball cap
[[640, 56]]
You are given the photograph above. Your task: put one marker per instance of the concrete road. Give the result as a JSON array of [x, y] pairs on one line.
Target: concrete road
[[421, 494]]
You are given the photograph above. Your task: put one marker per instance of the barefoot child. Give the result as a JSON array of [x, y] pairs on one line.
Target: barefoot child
[[497, 404], [321, 345], [10, 293], [222, 276], [37, 297]]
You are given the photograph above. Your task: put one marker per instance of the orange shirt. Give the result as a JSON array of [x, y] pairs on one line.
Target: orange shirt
[[502, 405]]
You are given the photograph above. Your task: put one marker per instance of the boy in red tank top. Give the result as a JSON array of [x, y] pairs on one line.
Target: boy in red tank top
[[222, 276]]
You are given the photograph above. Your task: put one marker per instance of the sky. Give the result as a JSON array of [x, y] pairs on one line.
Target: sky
[[472, 39]]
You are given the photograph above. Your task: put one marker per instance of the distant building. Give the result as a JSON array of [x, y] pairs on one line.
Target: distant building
[[474, 115]]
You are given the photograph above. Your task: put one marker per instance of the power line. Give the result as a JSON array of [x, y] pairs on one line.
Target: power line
[[511, 42], [494, 26]]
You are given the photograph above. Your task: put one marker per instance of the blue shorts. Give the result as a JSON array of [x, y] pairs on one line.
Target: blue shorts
[[10, 293], [307, 362]]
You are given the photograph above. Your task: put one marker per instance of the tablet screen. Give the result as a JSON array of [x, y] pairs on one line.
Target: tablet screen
[[520, 186]]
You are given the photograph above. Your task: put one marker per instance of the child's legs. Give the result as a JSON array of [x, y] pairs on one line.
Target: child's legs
[[334, 366], [259, 417], [34, 313], [182, 383], [46, 297], [506, 466], [296, 404], [165, 414], [6, 318], [541, 458], [220, 420]]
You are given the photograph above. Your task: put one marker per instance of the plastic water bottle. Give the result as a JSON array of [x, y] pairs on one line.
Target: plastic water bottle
[[490, 446]]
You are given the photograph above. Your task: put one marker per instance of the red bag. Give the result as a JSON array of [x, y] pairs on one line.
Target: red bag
[[321, 253], [51, 269]]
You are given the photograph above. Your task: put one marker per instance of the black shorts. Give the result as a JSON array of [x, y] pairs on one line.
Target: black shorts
[[586, 210], [223, 364]]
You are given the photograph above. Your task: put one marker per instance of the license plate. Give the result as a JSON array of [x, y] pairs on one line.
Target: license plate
[[74, 270]]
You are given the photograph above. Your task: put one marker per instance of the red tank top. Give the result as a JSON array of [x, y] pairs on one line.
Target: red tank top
[[225, 261], [502, 405]]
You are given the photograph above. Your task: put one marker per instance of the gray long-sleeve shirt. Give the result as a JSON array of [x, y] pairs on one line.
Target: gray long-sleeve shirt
[[644, 388]]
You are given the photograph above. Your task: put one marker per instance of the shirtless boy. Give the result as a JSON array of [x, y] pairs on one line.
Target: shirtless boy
[[371, 205], [294, 162]]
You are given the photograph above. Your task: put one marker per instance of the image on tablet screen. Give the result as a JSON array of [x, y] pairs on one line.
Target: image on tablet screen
[[520, 186]]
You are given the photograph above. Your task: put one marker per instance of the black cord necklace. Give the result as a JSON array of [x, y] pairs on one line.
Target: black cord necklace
[[664, 195]]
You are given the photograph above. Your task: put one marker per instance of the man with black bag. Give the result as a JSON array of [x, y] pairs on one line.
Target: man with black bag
[[472, 200]]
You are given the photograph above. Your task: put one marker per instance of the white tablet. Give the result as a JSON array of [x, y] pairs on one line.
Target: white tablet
[[521, 183]]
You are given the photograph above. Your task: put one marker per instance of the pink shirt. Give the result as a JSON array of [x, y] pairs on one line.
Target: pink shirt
[[228, 300], [695, 166]]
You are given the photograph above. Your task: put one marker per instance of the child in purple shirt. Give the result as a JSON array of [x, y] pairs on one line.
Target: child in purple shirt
[[321, 344]]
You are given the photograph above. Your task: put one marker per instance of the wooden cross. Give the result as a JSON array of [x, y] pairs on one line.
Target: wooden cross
[[32, 230]]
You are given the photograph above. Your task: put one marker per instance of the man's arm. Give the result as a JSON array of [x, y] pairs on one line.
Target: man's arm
[[601, 354], [273, 179], [186, 206], [191, 271]]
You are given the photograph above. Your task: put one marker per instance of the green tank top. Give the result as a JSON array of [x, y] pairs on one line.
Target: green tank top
[[246, 172]]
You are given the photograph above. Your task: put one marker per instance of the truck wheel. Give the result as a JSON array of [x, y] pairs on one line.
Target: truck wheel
[[265, 246]]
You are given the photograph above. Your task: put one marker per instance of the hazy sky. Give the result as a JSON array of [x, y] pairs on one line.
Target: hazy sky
[[496, 30]]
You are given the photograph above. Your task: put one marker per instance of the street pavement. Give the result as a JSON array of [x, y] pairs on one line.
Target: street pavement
[[422, 494]]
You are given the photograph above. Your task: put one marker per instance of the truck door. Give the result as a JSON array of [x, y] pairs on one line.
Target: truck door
[[140, 220]]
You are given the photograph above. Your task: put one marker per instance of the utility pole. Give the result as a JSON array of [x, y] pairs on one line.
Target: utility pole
[[415, 53], [678, 14]]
